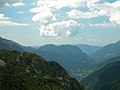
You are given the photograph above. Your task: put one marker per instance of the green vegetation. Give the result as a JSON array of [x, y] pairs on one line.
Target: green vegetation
[[105, 78], [27, 71]]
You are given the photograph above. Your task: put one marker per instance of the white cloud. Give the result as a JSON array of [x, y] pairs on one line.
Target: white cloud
[[42, 17], [49, 25], [91, 3], [2, 17], [58, 4], [47, 31], [54, 29], [115, 18], [79, 14], [68, 33], [112, 11], [115, 4], [20, 12], [49, 17], [5, 21], [64, 24], [11, 3], [10, 23], [15, 4], [101, 25], [18, 4]]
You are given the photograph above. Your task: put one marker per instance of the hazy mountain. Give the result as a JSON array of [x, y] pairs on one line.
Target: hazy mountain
[[107, 52], [27, 71], [10, 45], [105, 78], [88, 49], [70, 57]]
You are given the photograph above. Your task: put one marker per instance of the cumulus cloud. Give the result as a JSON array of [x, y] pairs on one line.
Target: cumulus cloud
[[15, 4], [112, 10], [42, 17], [2, 17], [68, 33], [5, 21], [46, 17], [54, 29], [50, 24], [79, 14], [115, 18], [10, 2], [58, 4]]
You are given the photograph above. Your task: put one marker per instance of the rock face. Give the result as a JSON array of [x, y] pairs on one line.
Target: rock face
[[27, 71], [2, 63]]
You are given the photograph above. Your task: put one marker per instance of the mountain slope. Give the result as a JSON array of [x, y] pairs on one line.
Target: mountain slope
[[88, 49], [107, 52], [27, 71], [70, 57], [10, 45], [105, 78]]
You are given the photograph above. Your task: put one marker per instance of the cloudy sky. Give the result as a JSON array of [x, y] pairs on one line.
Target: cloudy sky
[[38, 22]]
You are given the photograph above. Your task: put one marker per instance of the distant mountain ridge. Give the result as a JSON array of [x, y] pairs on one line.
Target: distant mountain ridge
[[88, 49], [107, 52], [10, 45]]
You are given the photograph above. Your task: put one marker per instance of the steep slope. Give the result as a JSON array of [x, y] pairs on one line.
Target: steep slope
[[10, 45], [99, 66], [88, 49], [107, 52], [105, 78], [70, 57], [27, 71]]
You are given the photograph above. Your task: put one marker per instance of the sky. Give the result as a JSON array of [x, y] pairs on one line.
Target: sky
[[39, 22]]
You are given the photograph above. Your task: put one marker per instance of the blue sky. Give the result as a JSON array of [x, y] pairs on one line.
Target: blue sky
[[38, 22]]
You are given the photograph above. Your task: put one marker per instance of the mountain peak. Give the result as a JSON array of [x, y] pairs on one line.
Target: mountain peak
[[118, 42]]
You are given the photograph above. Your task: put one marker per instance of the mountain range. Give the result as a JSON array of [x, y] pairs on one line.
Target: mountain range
[[97, 68], [72, 58]]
